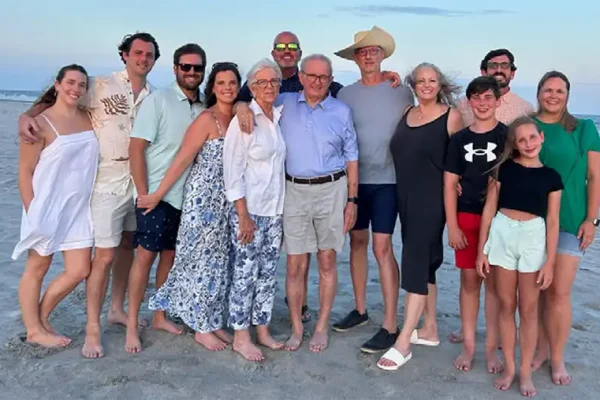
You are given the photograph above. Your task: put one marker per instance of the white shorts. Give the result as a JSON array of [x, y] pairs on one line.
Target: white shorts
[[112, 215]]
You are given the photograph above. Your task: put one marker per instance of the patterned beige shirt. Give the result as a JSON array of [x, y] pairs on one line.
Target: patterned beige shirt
[[511, 107], [113, 110]]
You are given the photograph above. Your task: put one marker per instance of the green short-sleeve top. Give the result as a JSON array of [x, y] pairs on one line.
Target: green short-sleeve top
[[567, 153]]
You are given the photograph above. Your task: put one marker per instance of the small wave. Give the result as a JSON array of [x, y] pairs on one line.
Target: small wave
[[18, 96]]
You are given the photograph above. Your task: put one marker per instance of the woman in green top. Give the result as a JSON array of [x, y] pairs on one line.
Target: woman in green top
[[572, 148]]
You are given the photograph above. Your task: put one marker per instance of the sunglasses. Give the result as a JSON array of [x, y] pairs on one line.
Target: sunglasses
[[198, 68], [289, 46]]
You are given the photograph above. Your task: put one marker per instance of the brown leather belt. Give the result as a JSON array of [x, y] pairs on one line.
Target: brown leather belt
[[318, 180]]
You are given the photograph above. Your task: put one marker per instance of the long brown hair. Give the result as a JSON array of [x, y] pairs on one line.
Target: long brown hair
[[49, 96], [510, 147], [567, 121]]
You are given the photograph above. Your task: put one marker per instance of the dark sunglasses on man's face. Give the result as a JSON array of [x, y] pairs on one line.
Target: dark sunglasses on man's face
[[198, 68], [289, 46]]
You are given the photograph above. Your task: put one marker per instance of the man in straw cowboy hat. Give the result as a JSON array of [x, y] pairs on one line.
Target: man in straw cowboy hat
[[376, 109]]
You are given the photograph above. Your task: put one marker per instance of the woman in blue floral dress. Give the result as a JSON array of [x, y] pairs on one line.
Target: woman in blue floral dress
[[196, 290]]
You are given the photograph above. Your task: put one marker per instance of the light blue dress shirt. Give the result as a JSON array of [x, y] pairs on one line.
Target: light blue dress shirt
[[319, 140]]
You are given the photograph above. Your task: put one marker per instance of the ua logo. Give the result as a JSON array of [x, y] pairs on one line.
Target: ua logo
[[489, 152]]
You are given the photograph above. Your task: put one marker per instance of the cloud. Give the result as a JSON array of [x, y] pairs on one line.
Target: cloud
[[378, 10]]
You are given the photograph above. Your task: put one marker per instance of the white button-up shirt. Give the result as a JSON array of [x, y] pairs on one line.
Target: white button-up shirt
[[254, 164]]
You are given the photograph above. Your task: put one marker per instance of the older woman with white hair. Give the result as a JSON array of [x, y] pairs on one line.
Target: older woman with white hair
[[254, 174]]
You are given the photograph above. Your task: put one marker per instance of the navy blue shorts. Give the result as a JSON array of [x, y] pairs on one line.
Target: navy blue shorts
[[378, 207], [157, 230]]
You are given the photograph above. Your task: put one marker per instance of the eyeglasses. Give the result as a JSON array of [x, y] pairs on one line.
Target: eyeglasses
[[372, 51], [198, 68], [225, 64], [289, 46], [496, 65], [312, 78], [264, 82]]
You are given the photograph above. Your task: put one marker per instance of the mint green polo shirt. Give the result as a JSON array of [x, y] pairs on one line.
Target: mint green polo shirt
[[567, 153], [162, 120]]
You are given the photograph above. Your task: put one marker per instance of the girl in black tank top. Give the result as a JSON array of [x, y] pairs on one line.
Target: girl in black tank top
[[519, 235]]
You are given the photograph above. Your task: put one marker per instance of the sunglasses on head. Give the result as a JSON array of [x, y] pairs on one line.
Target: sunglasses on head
[[198, 68], [225, 64], [289, 46]]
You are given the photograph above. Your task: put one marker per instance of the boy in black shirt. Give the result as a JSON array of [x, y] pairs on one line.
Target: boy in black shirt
[[472, 153]]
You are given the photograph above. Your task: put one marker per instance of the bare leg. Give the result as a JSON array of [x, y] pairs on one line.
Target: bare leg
[[430, 330], [159, 320], [470, 287], [560, 315], [265, 339], [543, 346], [359, 245], [121, 267], [413, 309], [492, 307], [506, 287], [95, 293], [77, 268], [388, 276], [29, 298], [242, 343], [305, 297], [327, 288], [528, 295], [138, 280], [296, 265]]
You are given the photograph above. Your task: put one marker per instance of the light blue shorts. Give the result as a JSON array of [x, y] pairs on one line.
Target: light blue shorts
[[516, 245], [569, 244]]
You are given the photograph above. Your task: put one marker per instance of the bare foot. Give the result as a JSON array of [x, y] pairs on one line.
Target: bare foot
[[164, 324], [49, 340], [132, 342], [539, 360], [503, 383], [456, 336], [560, 376], [47, 326], [464, 360], [210, 341], [526, 386], [119, 317], [249, 351], [92, 347], [293, 343], [268, 341], [493, 363], [224, 336], [319, 342]]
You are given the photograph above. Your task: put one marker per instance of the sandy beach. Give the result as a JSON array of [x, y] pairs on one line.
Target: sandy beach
[[176, 367]]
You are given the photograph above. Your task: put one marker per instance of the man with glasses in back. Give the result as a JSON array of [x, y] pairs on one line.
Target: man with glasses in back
[[500, 64], [155, 141]]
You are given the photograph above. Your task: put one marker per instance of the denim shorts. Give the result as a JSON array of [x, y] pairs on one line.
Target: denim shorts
[[568, 244], [516, 245]]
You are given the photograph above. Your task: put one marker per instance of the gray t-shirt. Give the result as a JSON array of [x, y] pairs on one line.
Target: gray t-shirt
[[376, 111]]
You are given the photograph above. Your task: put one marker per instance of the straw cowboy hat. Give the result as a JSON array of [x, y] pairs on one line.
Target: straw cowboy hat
[[375, 37]]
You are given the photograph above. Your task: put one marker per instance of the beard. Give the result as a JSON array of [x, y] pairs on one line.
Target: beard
[[502, 83], [182, 82]]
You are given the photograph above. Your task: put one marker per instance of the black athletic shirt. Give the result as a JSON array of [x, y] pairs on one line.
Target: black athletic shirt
[[471, 155], [526, 189]]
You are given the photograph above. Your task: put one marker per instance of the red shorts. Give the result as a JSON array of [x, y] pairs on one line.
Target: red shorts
[[469, 224]]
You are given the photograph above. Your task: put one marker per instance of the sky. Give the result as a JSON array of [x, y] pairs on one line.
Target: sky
[[39, 36]]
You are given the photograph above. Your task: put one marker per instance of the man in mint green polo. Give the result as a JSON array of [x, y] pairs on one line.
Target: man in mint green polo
[[155, 141]]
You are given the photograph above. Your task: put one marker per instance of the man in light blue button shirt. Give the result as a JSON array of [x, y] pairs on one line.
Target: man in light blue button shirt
[[155, 140], [321, 189]]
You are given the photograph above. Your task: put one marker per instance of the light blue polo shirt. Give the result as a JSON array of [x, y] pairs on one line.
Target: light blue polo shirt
[[162, 120]]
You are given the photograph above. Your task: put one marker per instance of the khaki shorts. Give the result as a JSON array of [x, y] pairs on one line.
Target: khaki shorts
[[313, 216], [112, 215]]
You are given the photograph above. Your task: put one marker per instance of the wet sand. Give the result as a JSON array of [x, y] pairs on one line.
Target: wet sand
[[176, 367]]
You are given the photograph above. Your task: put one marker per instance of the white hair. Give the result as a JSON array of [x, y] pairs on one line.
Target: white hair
[[317, 57], [265, 63]]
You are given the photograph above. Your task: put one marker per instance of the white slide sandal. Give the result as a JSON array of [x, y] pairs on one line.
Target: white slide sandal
[[396, 357], [414, 339]]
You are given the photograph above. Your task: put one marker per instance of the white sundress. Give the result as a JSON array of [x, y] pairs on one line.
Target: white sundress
[[59, 216]]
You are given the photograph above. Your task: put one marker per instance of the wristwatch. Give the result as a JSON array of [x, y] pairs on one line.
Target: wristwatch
[[353, 200], [596, 222]]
